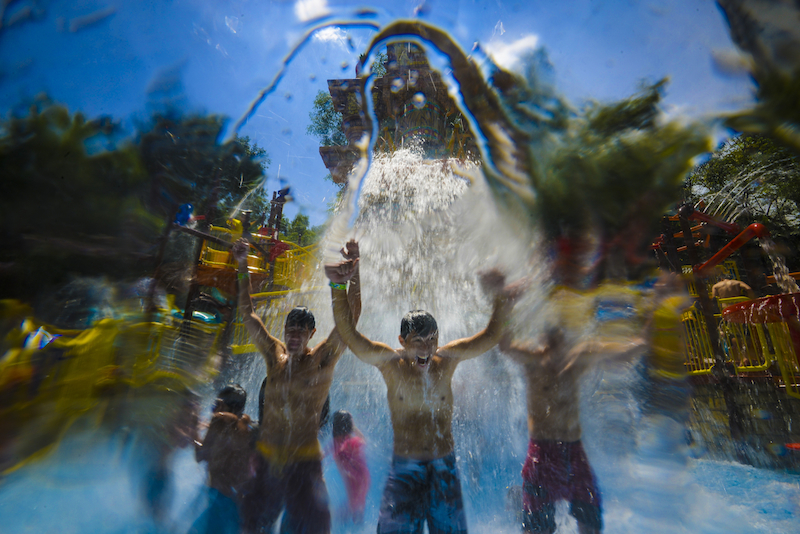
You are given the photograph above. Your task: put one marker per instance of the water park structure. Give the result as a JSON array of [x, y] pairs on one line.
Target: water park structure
[[741, 353], [412, 105], [152, 348], [741, 357]]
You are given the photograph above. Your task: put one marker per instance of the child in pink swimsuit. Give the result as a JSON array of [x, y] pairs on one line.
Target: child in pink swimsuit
[[348, 452]]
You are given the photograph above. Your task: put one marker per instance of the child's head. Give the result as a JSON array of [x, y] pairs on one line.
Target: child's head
[[301, 317], [299, 329], [342, 423], [418, 322], [234, 397]]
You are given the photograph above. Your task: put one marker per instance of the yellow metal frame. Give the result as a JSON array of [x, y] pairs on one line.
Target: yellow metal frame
[[292, 268], [750, 346], [699, 355], [74, 371], [746, 345], [787, 357]]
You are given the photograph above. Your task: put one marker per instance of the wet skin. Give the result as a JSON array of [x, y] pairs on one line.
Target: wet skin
[[419, 375], [298, 378]]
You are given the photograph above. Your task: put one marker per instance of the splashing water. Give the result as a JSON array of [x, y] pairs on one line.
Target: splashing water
[[425, 229], [425, 232], [784, 280]]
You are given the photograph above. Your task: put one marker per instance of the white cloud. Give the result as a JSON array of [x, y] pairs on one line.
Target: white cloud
[[306, 10], [331, 34], [508, 55]]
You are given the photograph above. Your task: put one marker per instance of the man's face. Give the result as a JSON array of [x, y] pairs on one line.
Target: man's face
[[421, 348], [297, 338]]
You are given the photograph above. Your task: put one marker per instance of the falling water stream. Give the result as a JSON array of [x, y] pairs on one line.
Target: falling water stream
[[426, 228], [424, 233], [785, 281]]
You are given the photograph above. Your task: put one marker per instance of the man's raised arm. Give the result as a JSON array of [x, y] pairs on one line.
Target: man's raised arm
[[521, 353], [350, 253], [368, 351], [264, 342], [504, 299]]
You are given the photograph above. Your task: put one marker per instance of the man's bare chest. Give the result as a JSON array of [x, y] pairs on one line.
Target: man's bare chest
[[415, 391]]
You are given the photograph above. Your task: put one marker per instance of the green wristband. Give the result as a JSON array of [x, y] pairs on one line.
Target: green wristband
[[343, 287], [242, 276]]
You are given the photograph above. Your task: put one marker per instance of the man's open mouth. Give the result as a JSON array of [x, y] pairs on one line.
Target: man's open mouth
[[422, 362]]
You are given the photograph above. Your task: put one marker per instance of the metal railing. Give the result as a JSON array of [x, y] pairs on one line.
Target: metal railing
[[292, 268]]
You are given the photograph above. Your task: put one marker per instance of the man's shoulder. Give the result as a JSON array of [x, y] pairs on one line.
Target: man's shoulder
[[223, 416], [222, 420], [326, 350], [397, 360]]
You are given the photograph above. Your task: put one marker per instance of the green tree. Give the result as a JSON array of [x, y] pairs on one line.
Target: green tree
[[298, 231], [378, 66], [751, 178], [326, 122], [70, 201], [612, 175], [187, 165]]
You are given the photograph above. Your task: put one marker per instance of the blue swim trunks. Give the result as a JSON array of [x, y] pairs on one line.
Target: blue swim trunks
[[422, 490]]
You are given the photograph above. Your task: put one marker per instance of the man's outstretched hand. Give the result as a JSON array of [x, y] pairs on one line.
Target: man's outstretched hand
[[240, 250], [341, 272], [493, 282], [350, 250]]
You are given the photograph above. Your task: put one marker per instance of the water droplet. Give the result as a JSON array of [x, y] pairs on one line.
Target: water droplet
[[413, 76], [286, 131], [345, 65], [419, 100], [397, 84], [233, 24], [312, 77], [287, 96]]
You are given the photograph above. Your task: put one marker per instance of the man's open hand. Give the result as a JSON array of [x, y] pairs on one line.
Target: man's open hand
[[350, 250], [340, 273], [240, 250], [492, 280]]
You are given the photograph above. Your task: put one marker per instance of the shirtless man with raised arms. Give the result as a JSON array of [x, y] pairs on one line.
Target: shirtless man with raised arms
[[557, 467], [423, 483], [289, 463]]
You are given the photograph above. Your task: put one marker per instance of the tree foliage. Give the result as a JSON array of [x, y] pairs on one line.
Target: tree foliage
[[751, 178], [187, 165], [326, 122], [298, 230], [378, 66], [65, 208], [79, 198], [617, 170]]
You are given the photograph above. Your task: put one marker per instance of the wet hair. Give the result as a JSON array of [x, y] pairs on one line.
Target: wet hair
[[418, 322], [342, 423], [302, 317], [234, 396]]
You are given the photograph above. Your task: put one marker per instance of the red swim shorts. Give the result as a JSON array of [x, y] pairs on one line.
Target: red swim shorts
[[556, 470]]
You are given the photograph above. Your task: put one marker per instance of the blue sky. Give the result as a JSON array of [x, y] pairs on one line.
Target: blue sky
[[103, 57]]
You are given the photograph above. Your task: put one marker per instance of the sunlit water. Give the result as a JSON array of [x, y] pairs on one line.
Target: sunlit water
[[423, 250], [425, 228], [785, 281]]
